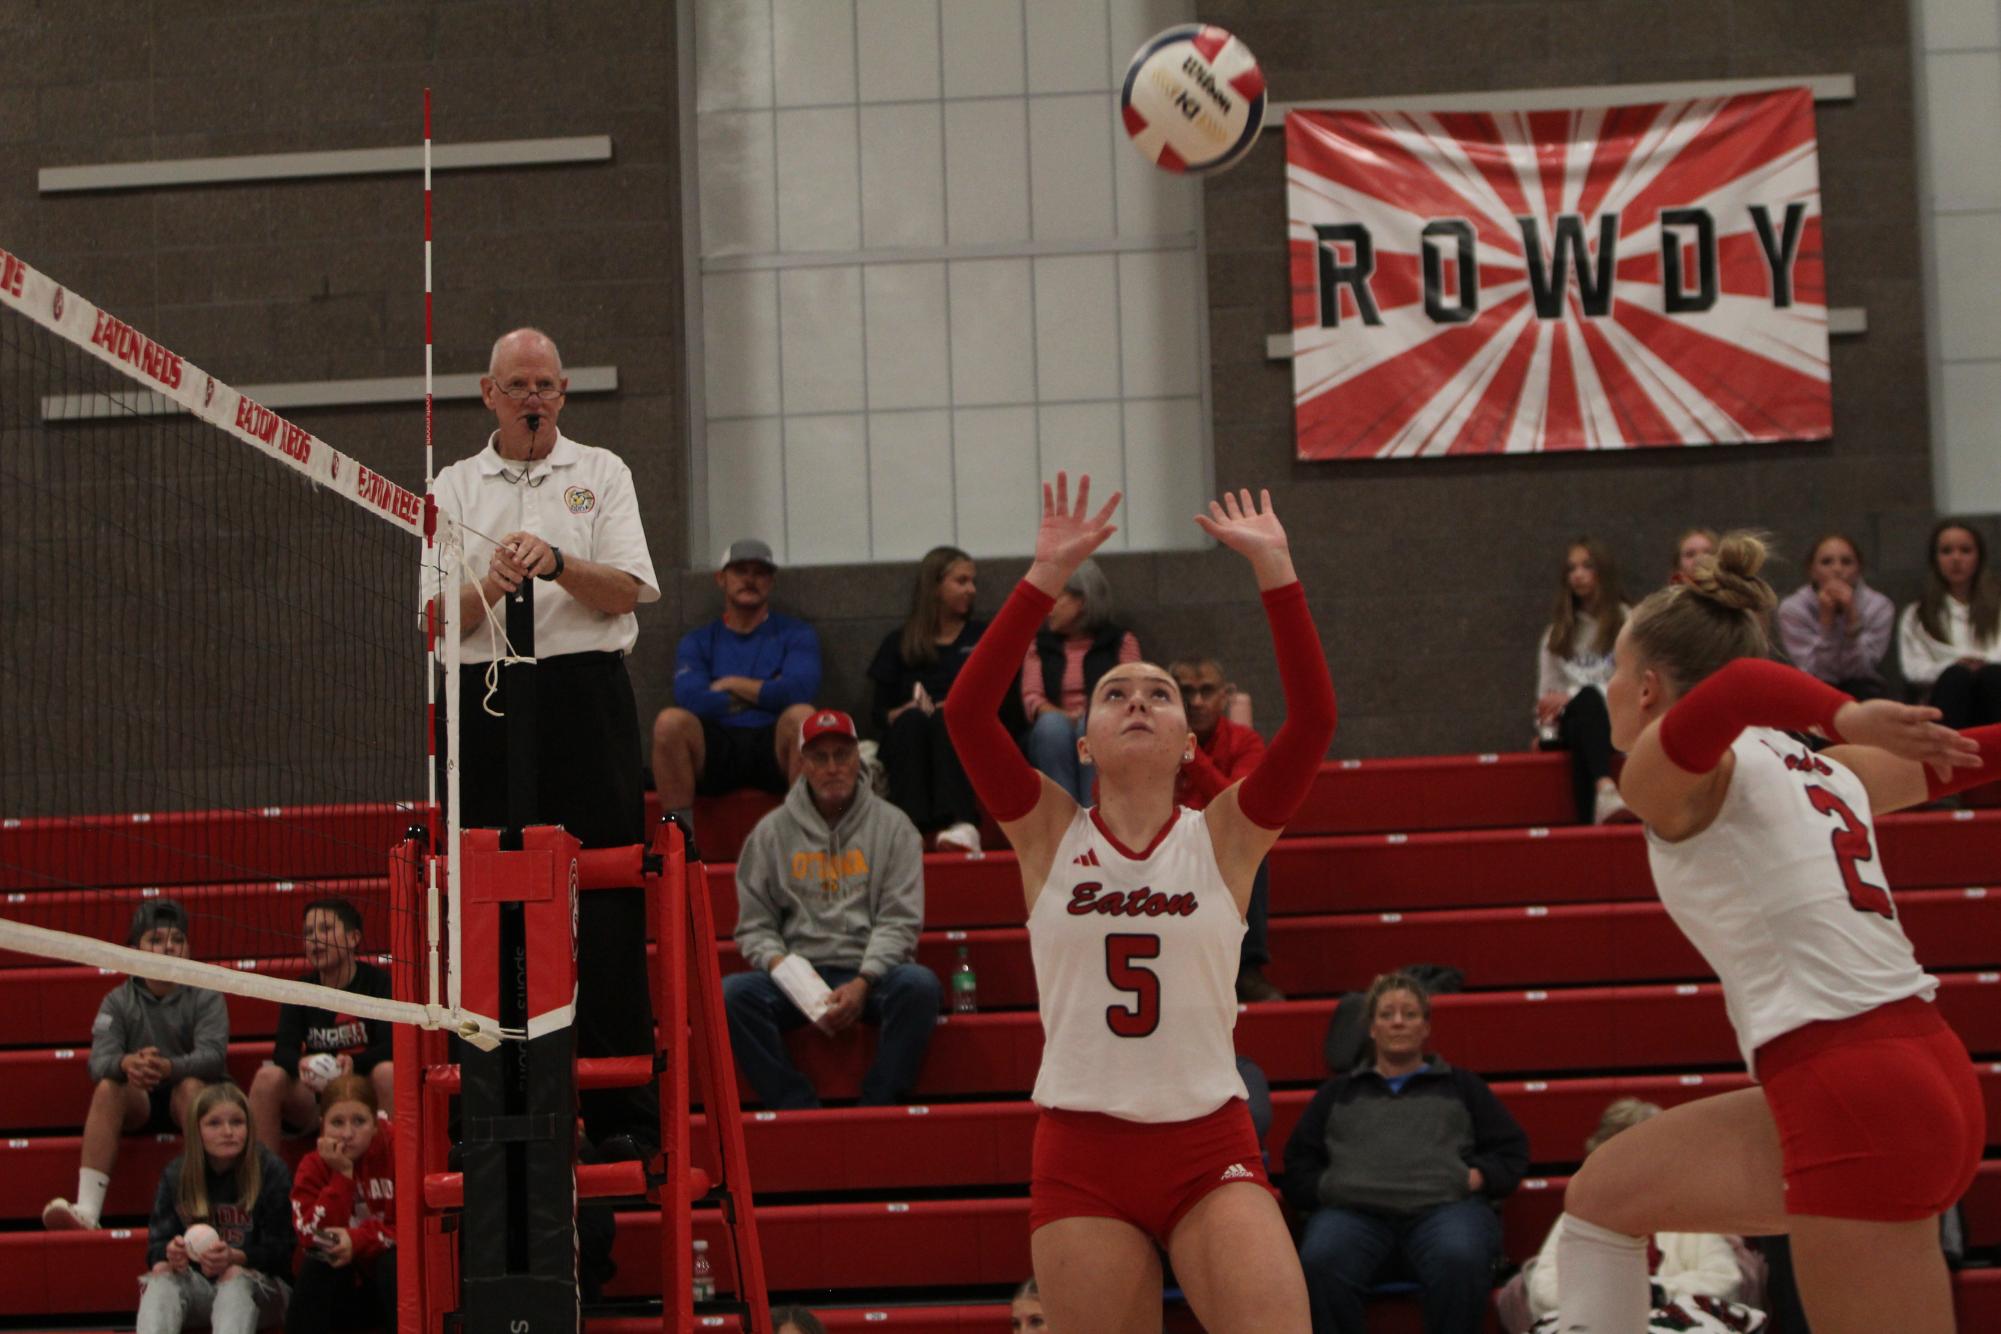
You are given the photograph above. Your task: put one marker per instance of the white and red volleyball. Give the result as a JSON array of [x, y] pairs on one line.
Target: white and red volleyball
[[1194, 99]]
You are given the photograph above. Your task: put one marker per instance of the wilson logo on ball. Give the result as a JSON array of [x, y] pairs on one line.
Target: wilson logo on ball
[[1194, 99]]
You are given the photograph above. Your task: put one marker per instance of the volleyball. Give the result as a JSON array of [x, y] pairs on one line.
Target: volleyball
[[200, 1240], [1194, 99], [316, 1070]]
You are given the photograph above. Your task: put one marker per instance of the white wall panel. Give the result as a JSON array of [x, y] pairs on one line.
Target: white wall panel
[[1066, 46], [1159, 324], [1166, 480], [986, 173], [813, 55], [740, 344], [819, 181], [747, 482], [1963, 115], [1085, 439], [910, 479], [820, 332], [826, 496], [737, 159], [993, 331], [907, 336], [1077, 327], [983, 48], [903, 176], [1000, 501], [1972, 432], [900, 57], [732, 55], [1969, 298], [1070, 162]]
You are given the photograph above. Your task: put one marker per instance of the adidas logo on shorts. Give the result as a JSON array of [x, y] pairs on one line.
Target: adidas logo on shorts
[[1238, 1172]]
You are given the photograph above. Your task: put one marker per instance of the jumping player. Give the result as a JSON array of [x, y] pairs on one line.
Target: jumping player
[[1867, 1119], [1135, 913]]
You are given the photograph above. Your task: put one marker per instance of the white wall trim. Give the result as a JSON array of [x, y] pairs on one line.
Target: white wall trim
[[308, 394], [339, 162], [1826, 88]]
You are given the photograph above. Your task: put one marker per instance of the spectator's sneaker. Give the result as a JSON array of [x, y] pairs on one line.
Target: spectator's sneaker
[[59, 1215], [961, 837], [1253, 986], [1611, 808]]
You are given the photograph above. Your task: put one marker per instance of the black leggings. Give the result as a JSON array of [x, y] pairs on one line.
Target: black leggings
[[926, 780], [357, 1296], [1586, 730], [1967, 696]]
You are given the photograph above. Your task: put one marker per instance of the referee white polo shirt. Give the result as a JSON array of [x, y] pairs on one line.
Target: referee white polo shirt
[[579, 498]]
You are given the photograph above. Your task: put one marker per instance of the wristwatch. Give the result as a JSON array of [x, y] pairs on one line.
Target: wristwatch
[[556, 573]]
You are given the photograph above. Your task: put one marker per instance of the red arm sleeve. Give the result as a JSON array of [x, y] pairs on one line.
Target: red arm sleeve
[[1989, 770], [1285, 775], [1003, 780], [1749, 692]]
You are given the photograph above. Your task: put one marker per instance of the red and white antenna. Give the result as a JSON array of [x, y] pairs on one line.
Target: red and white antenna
[[438, 607]]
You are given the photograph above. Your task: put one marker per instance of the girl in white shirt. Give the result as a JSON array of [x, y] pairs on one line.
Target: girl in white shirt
[[1949, 640], [1571, 671]]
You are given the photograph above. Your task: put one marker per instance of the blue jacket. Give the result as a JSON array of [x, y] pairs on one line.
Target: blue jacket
[[781, 652]]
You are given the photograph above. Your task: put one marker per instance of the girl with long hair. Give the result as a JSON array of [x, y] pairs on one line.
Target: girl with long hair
[[344, 1211], [913, 671], [1949, 640], [1135, 915], [228, 1181], [1690, 547], [1571, 671], [1834, 626], [1866, 1121]]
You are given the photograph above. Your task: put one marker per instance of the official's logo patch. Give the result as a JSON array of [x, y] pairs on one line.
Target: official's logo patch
[[580, 499]]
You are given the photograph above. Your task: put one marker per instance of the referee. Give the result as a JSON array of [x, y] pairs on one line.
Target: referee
[[540, 505]]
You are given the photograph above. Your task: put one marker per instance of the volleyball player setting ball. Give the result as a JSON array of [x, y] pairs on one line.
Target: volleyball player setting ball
[[1135, 913], [1866, 1122]]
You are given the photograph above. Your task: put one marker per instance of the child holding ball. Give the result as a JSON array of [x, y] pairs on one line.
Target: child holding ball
[[344, 1209], [220, 1241]]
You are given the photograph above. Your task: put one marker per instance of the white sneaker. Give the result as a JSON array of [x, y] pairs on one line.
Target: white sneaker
[[59, 1215], [1610, 807], [963, 836]]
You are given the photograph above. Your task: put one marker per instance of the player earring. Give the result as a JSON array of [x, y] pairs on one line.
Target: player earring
[[1188, 757]]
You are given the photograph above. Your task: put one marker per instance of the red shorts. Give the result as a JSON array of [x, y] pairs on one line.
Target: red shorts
[[1149, 1174], [1880, 1115]]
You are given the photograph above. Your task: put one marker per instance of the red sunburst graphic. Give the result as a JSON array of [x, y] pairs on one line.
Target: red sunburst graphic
[[1452, 291]]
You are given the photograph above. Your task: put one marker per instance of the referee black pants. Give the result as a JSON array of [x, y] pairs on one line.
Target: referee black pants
[[588, 780]]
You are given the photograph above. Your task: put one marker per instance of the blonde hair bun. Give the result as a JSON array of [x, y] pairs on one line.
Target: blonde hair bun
[[1729, 575]]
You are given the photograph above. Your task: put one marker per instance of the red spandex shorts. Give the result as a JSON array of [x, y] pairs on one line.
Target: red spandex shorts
[[1880, 1115], [1148, 1174]]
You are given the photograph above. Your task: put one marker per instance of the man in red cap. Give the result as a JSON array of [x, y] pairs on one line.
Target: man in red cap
[[834, 877]]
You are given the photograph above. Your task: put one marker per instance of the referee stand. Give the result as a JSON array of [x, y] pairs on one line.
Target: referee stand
[[514, 1265]]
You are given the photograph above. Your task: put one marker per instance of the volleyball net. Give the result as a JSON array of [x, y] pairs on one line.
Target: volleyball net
[[214, 654]]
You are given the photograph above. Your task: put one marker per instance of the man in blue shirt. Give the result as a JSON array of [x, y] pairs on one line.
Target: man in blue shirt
[[743, 684]]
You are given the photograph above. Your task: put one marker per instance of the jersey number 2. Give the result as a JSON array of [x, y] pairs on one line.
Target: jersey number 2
[[1125, 974], [1852, 848]]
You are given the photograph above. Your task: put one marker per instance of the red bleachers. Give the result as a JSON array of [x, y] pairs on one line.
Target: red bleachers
[[1580, 990]]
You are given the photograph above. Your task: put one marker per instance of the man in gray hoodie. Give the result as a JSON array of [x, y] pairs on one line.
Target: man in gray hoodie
[[835, 876], [153, 1046]]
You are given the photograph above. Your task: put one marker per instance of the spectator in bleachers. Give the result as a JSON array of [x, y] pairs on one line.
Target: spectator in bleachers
[[1835, 626], [223, 1178], [1574, 664], [360, 1046], [1024, 1313], [1949, 640], [1397, 1166], [1691, 546], [1077, 644], [742, 685], [796, 1320], [912, 672], [344, 1212], [1689, 1270], [153, 1046], [1225, 752], [836, 877]]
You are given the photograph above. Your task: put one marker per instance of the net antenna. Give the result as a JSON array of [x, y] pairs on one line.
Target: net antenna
[[209, 630]]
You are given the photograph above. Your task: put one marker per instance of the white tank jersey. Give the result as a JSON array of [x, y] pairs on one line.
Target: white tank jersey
[[1784, 894], [1136, 962]]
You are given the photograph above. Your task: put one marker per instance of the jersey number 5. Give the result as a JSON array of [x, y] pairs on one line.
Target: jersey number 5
[[1126, 975], [1852, 848]]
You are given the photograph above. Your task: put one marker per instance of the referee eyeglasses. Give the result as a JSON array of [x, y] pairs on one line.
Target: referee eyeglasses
[[542, 389]]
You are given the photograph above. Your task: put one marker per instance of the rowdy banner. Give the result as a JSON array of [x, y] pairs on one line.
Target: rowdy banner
[[1515, 282]]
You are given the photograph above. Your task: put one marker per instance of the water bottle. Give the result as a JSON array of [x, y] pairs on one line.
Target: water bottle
[[965, 986], [705, 1277]]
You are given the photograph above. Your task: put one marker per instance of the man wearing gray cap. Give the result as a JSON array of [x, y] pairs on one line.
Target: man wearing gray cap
[[743, 684]]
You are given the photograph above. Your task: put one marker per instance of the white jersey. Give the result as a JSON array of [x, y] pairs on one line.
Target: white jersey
[[1784, 894], [1136, 962]]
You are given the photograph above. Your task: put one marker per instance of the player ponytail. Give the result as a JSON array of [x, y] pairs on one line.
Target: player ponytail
[[1689, 631]]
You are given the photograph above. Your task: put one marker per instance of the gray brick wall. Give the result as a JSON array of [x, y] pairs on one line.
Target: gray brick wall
[[1430, 580]]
